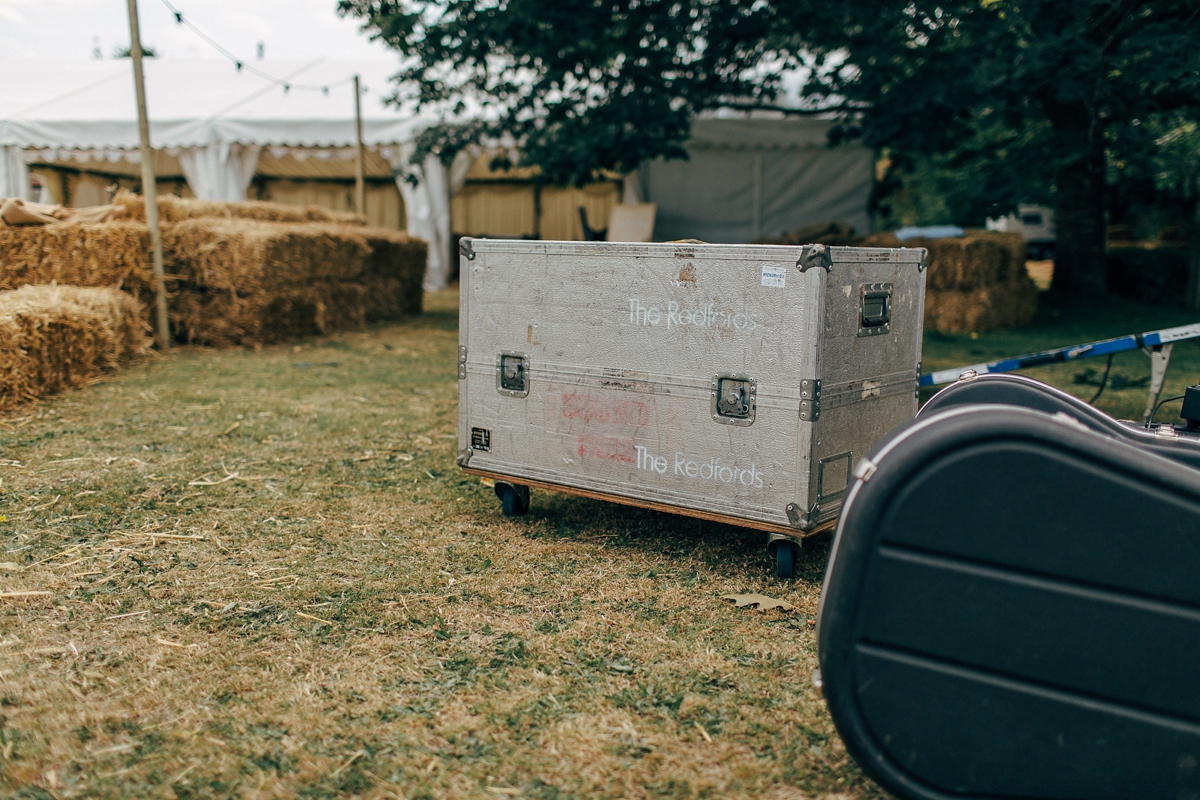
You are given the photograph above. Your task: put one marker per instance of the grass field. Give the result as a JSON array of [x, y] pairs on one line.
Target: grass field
[[260, 574]]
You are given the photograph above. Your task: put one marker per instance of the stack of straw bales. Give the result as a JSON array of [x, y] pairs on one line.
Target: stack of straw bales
[[977, 282], [178, 209], [241, 281], [56, 337], [238, 273]]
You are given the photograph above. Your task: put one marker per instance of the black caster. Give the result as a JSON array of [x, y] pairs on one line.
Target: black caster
[[786, 552], [514, 498]]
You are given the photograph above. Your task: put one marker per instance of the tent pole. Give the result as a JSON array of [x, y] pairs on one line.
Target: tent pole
[[149, 189], [360, 167]]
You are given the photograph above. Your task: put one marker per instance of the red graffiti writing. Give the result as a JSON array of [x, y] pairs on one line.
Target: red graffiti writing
[[604, 411], [606, 448]]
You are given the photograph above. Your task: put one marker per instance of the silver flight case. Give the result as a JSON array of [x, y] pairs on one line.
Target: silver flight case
[[737, 383]]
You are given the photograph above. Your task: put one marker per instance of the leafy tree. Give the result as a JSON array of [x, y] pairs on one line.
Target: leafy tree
[[1030, 87], [1016, 97], [582, 86], [1156, 162]]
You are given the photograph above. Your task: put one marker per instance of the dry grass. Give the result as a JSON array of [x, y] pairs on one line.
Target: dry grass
[[178, 209], [54, 338], [264, 576]]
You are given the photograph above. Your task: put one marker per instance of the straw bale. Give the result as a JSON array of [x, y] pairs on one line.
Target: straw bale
[[254, 257], [977, 260], [830, 233], [1000, 306], [882, 239], [102, 254], [396, 268], [56, 337], [221, 319], [250, 282], [178, 209]]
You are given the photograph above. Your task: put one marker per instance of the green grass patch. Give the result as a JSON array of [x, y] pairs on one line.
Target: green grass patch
[[267, 577]]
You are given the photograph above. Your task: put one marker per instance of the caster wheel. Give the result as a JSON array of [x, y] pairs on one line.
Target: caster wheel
[[514, 500], [785, 560]]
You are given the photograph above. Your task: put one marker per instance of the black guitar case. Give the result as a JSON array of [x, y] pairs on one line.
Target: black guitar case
[[1012, 610], [1017, 390]]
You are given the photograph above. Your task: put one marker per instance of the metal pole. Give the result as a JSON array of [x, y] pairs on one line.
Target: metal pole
[[149, 190], [360, 166]]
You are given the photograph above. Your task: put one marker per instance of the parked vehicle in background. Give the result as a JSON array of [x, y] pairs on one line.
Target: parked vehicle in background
[[1035, 224]]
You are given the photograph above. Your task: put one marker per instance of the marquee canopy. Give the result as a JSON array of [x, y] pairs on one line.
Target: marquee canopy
[[216, 119], [747, 177]]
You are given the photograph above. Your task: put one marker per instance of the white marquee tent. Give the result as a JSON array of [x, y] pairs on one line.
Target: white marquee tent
[[216, 121], [747, 177]]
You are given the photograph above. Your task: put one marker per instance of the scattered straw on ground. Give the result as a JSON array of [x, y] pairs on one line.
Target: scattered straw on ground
[[261, 574], [54, 338]]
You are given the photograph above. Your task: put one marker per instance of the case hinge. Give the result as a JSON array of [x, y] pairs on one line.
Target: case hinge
[[810, 399], [462, 362]]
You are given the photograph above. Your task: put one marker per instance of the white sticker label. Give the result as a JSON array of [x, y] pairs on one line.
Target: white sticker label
[[774, 276]]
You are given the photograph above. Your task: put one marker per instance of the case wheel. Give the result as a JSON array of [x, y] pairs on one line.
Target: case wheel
[[514, 498], [786, 553]]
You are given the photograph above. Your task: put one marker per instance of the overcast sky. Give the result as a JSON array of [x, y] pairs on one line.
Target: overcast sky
[[288, 29]]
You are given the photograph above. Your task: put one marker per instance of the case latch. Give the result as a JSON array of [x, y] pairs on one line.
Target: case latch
[[512, 374], [733, 399], [875, 311]]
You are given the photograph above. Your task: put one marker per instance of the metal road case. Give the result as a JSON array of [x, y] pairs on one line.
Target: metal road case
[[737, 383]]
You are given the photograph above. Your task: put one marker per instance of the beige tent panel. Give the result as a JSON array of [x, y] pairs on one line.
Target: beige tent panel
[[481, 169], [560, 209], [494, 209], [384, 206], [289, 166]]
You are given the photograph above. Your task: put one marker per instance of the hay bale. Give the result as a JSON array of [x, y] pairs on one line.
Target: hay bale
[[100, 254], [1000, 306], [251, 257], [883, 239], [178, 209], [395, 269], [234, 281], [976, 282], [222, 319], [830, 233], [977, 260], [249, 282], [57, 337]]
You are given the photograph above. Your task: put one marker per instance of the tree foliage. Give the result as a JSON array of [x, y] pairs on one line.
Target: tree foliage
[[1023, 92], [584, 87], [1005, 100]]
